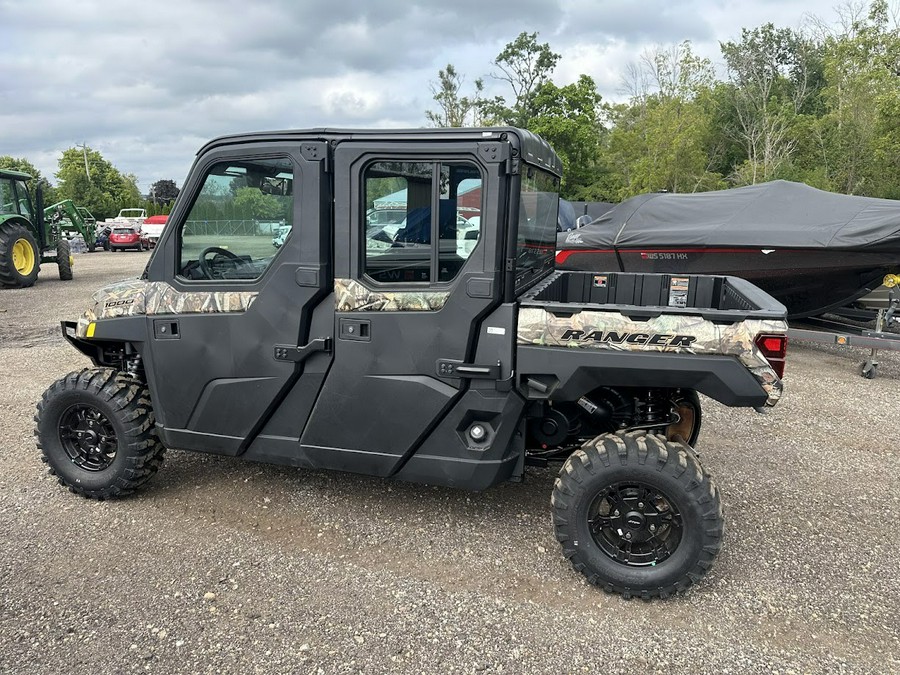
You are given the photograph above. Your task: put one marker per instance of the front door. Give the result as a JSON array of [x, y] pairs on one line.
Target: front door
[[414, 277], [248, 252]]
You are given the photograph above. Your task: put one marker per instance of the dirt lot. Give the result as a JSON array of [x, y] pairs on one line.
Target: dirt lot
[[330, 573]]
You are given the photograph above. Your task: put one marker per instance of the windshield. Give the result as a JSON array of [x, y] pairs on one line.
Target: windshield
[[536, 238]]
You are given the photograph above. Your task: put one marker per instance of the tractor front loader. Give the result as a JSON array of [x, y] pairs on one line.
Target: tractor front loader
[[68, 219]]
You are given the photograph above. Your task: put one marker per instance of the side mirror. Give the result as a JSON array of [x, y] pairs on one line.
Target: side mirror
[[583, 220]]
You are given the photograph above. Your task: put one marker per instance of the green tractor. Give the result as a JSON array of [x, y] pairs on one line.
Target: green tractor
[[30, 235]]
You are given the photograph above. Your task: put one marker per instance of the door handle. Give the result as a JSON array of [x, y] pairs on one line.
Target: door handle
[[471, 371], [300, 354]]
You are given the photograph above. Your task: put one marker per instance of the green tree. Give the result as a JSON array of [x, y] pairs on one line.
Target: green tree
[[22, 164], [769, 73], [91, 181], [525, 66], [251, 204], [163, 191], [455, 110], [859, 135], [661, 139], [569, 119]]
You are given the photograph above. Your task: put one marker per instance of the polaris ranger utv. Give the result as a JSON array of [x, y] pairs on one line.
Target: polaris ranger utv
[[441, 349]]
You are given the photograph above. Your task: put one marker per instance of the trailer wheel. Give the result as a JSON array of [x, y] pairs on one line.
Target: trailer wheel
[[64, 259], [869, 370], [20, 260], [637, 515], [96, 431]]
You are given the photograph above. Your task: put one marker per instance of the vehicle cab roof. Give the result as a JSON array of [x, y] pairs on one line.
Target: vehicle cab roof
[[532, 148], [10, 173]]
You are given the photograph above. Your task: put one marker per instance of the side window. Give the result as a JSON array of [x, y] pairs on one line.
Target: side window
[[405, 240], [241, 218], [7, 198]]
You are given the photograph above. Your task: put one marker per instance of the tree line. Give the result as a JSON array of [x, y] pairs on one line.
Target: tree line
[[89, 180], [819, 105]]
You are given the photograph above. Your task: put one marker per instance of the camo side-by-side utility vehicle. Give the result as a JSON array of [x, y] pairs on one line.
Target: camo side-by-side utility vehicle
[[416, 350]]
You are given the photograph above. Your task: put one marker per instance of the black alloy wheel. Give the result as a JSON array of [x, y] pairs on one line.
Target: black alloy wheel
[[635, 524], [87, 437]]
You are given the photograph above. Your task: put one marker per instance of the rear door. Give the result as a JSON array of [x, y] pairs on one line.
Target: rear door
[[414, 276], [222, 330]]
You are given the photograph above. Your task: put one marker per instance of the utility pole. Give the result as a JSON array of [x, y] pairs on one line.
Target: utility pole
[[87, 169]]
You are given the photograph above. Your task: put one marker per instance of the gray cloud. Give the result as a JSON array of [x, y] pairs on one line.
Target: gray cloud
[[147, 83]]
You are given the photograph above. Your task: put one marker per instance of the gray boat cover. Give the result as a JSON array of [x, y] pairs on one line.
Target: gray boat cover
[[780, 214]]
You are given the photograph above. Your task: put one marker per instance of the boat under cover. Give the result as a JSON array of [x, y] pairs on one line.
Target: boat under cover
[[812, 250]]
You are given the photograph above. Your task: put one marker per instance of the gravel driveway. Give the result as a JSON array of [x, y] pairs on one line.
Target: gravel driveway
[[223, 566]]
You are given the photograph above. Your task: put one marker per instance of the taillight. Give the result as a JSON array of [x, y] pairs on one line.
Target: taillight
[[774, 347]]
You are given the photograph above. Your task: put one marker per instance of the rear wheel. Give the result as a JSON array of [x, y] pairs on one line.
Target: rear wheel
[[96, 431], [64, 259], [20, 260], [637, 515]]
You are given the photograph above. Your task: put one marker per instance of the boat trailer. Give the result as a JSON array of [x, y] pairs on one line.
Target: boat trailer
[[844, 334]]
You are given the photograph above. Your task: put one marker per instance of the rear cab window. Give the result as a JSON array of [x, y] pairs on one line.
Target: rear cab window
[[536, 235]]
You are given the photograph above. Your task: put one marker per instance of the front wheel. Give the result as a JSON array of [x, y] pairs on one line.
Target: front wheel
[[20, 259], [637, 515], [96, 431], [64, 259]]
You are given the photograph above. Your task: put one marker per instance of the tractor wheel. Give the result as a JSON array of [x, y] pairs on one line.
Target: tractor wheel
[[637, 515], [64, 259], [96, 431], [20, 260]]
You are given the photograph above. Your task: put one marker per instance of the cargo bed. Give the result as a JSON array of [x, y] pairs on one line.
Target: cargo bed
[[641, 296]]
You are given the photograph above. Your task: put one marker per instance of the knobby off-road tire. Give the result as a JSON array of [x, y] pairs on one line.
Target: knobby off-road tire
[[95, 430], [64, 259], [637, 515], [20, 259]]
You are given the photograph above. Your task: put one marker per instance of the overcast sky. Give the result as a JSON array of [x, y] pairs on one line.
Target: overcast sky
[[146, 83]]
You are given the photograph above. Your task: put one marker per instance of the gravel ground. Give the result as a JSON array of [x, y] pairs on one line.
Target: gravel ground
[[219, 565]]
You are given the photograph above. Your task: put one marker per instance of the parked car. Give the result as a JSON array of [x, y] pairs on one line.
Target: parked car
[[122, 238]]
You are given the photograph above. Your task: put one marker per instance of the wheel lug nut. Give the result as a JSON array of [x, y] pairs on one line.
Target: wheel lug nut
[[640, 505], [628, 535], [616, 514], [653, 528]]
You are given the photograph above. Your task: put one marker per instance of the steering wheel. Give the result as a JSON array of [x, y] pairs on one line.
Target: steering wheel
[[224, 252]]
